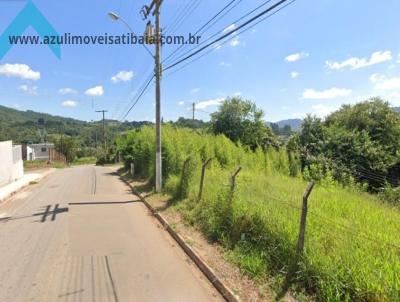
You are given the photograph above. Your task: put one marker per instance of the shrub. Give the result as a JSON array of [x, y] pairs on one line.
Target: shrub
[[351, 248]]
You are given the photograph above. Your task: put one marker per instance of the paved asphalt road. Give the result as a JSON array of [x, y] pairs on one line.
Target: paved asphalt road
[[80, 235]]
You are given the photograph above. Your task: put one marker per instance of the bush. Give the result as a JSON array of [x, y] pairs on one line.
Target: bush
[[351, 249]]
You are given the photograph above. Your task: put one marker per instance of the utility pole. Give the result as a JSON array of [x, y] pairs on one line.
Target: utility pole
[[156, 39], [193, 109], [104, 127], [158, 98]]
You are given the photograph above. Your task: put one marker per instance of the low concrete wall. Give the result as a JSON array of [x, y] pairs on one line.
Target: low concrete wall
[[18, 165], [6, 162], [11, 164]]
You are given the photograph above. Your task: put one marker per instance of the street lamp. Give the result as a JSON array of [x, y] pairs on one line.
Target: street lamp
[[115, 17]]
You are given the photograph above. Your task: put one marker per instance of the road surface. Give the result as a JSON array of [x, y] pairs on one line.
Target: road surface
[[80, 235]]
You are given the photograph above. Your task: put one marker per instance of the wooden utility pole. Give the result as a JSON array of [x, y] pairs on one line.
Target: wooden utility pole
[[104, 128], [193, 109]]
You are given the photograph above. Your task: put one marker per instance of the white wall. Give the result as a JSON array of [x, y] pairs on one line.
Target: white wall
[[11, 165], [6, 162], [18, 165]]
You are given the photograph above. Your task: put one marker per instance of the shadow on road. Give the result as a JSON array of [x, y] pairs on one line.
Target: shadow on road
[[102, 202]]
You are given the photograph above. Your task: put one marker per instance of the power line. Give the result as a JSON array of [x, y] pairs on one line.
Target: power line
[[121, 111], [230, 24], [178, 12], [226, 41], [146, 86], [201, 31], [179, 21], [228, 33], [182, 21]]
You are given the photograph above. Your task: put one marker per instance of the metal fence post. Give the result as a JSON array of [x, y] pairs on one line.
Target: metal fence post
[[300, 243], [203, 172]]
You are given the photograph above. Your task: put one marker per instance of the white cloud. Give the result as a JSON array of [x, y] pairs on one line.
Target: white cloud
[[122, 76], [331, 93], [95, 91], [383, 83], [296, 56], [195, 90], [237, 93], [298, 115], [21, 71], [322, 110], [208, 103], [356, 63], [376, 77], [17, 106], [64, 91], [69, 103], [234, 42], [31, 90], [224, 64], [229, 28], [294, 74], [181, 103], [395, 95]]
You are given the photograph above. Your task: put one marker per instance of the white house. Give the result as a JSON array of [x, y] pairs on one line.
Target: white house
[[40, 151]]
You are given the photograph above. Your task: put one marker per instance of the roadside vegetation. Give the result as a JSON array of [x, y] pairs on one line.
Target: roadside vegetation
[[351, 247]]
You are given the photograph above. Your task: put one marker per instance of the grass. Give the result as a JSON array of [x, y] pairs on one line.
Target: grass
[[89, 160], [42, 164], [352, 250]]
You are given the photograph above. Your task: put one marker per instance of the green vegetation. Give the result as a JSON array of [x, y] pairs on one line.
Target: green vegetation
[[89, 160], [42, 164], [241, 121], [350, 250], [361, 141], [33, 127]]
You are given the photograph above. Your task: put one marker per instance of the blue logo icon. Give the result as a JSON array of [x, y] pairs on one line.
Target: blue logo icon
[[30, 15]]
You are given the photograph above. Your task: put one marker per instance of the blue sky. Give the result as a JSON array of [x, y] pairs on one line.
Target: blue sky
[[310, 57]]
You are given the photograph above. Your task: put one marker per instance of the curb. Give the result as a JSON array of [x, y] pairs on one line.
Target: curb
[[11, 194], [201, 264]]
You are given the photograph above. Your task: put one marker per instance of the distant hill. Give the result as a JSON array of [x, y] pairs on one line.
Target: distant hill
[[17, 116], [294, 124], [23, 126], [397, 109]]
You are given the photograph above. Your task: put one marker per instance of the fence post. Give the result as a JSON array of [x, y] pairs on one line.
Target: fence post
[[233, 179], [203, 172], [132, 169], [303, 219], [181, 192], [300, 243]]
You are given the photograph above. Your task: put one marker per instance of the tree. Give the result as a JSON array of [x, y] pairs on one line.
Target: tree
[[190, 123], [361, 139], [66, 145], [241, 121]]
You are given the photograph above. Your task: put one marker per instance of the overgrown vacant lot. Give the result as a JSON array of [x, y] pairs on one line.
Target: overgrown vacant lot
[[352, 248]]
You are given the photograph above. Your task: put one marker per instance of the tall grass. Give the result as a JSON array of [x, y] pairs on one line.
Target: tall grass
[[352, 248]]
